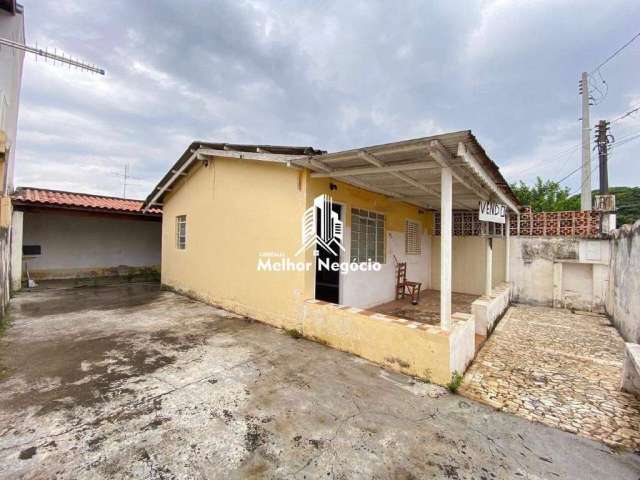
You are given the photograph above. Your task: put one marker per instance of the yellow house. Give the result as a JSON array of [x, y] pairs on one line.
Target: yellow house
[[311, 241]]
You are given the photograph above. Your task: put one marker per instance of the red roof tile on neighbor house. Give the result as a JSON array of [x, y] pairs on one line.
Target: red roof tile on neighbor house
[[82, 201]]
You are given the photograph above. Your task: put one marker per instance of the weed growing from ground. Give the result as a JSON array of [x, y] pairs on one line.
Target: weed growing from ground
[[456, 381]]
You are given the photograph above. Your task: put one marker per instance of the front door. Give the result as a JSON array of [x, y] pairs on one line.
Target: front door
[[328, 281]]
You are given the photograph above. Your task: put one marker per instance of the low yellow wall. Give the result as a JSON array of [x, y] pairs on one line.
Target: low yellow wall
[[420, 350], [467, 269]]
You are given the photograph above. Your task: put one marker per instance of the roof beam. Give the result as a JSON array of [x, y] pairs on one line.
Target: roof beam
[[475, 166], [176, 174], [267, 157], [404, 167], [441, 155], [401, 175], [318, 165], [400, 147]]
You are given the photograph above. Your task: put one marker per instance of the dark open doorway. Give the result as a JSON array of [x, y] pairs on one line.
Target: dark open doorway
[[328, 281]]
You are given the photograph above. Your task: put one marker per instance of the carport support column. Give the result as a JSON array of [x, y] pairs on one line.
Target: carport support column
[[507, 239], [488, 264], [446, 198]]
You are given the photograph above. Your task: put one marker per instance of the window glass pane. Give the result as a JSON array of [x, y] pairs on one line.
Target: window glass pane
[[367, 236]]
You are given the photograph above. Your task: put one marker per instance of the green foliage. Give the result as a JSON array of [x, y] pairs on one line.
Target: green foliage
[[456, 381], [293, 333], [627, 204], [546, 196]]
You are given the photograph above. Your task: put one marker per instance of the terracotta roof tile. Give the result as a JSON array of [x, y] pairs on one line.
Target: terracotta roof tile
[[52, 198]]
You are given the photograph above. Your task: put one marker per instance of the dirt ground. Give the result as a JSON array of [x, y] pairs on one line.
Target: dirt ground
[[134, 382]]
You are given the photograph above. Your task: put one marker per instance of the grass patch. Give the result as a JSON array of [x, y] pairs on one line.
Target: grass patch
[[456, 381], [5, 323], [293, 333]]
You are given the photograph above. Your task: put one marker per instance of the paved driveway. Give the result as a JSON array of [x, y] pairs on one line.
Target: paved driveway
[[559, 368], [132, 382]]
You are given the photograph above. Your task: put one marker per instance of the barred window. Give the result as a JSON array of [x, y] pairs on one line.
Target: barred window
[[367, 236], [412, 237], [181, 232]]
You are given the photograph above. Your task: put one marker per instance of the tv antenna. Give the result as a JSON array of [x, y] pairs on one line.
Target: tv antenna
[[55, 57]]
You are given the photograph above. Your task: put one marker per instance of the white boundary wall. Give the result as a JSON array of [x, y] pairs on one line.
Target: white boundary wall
[[80, 245], [561, 272]]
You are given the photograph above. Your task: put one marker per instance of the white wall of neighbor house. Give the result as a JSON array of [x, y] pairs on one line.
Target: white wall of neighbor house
[[12, 28], [561, 272], [74, 245], [468, 263], [16, 249], [623, 295], [367, 289]]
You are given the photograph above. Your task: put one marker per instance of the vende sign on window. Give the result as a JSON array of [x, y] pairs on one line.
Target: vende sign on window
[[492, 212]]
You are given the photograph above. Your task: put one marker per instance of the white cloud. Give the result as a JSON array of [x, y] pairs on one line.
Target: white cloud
[[332, 75]]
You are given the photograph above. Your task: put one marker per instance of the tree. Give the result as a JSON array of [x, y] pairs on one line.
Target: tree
[[546, 196], [627, 204]]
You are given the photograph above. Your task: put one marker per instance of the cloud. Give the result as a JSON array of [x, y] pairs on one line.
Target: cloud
[[329, 74]]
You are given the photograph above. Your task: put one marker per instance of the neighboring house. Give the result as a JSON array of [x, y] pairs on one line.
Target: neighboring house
[[236, 216], [12, 28], [58, 235]]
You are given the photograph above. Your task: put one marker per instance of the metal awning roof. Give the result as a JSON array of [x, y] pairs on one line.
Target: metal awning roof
[[410, 170]]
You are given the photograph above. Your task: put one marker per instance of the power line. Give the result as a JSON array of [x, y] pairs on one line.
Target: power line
[[627, 139], [619, 142], [614, 54], [625, 115]]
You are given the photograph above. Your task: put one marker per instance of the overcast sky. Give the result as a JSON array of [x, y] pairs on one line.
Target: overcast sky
[[332, 75]]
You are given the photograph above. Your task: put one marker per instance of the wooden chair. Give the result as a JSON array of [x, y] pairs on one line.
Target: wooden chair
[[405, 287]]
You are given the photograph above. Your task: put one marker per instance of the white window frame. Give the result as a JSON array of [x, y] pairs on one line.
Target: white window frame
[[181, 232], [418, 232], [373, 238]]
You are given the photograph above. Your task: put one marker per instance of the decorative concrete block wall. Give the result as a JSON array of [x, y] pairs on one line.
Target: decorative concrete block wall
[[557, 224]]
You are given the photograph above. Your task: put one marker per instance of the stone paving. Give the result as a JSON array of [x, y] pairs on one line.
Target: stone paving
[[559, 368]]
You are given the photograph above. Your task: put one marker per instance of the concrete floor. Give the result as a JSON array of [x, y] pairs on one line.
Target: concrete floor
[[428, 308], [131, 382], [559, 368]]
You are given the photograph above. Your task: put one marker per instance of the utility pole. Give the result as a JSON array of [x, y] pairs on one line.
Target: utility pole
[[585, 196], [603, 138]]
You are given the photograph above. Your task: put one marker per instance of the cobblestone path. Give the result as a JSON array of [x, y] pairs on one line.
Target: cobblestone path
[[559, 368]]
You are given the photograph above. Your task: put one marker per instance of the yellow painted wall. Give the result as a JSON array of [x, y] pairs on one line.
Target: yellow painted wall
[[422, 352], [236, 209], [467, 270], [396, 212]]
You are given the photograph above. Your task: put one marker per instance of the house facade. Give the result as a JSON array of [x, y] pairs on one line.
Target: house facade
[[234, 226], [11, 59], [68, 235]]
